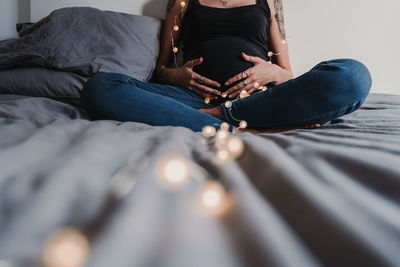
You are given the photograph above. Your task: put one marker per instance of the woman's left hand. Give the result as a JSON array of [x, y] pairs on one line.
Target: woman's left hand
[[262, 73]]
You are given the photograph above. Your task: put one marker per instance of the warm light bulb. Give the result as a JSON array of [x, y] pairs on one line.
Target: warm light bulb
[[224, 126], [176, 28], [221, 138], [222, 134], [213, 198], [175, 49], [173, 171], [208, 131], [224, 95], [183, 4], [207, 100], [66, 248], [228, 104], [223, 155], [270, 54], [243, 124], [244, 94], [213, 195], [235, 146]]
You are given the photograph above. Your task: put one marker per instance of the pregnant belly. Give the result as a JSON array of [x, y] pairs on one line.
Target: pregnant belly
[[222, 58]]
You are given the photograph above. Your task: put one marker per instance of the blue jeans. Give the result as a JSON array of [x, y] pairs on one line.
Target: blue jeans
[[328, 91]]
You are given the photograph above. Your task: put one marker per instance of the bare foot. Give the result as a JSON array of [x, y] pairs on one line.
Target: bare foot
[[312, 126], [215, 111]]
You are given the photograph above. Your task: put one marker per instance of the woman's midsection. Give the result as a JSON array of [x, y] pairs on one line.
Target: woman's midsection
[[222, 58]]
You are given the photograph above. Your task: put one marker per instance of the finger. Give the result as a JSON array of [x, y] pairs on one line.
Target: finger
[[239, 86], [208, 90], [251, 90], [243, 75], [197, 61], [237, 92], [252, 59], [207, 81], [194, 62]]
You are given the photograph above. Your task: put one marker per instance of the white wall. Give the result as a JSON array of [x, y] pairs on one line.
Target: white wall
[[366, 30], [11, 12]]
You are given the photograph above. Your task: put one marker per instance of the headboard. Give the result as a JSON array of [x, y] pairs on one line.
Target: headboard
[[153, 8]]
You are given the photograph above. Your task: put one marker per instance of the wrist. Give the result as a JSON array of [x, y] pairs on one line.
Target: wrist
[[165, 75], [282, 75]]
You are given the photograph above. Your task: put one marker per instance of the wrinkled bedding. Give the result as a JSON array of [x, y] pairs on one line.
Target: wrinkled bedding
[[323, 197]]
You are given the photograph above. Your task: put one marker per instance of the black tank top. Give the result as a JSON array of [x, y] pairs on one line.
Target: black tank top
[[219, 35]]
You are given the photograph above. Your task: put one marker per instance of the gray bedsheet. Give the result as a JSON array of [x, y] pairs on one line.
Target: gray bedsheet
[[321, 197]]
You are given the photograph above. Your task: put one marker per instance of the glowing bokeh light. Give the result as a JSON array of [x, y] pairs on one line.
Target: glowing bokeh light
[[235, 146], [173, 171], [66, 248]]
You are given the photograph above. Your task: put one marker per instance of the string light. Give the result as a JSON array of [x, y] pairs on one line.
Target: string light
[[235, 146], [173, 171], [222, 134], [223, 155], [176, 28], [243, 124], [66, 248], [228, 104], [214, 199], [224, 126], [220, 140], [208, 131], [244, 94]]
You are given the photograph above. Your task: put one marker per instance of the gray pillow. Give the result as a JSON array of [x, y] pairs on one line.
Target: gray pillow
[[41, 82], [87, 41]]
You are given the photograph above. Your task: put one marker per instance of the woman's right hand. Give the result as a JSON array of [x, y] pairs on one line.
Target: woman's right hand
[[185, 77]]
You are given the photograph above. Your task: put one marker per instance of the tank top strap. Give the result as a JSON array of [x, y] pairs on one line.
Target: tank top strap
[[191, 4], [263, 3]]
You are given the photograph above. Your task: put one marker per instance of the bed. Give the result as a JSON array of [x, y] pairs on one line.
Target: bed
[[322, 197]]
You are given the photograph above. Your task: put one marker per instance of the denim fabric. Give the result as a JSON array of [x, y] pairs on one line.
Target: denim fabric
[[329, 90], [115, 96]]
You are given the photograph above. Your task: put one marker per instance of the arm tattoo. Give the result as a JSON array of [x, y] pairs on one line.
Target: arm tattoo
[[170, 5], [280, 18]]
